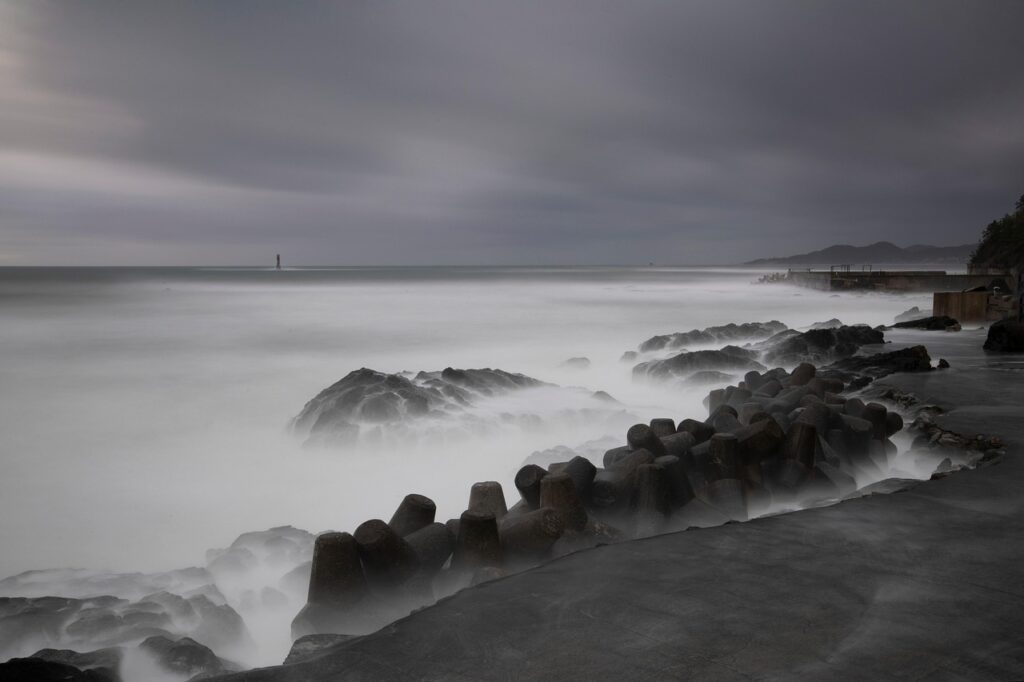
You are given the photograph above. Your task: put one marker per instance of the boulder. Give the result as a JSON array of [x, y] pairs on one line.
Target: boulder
[[1005, 336]]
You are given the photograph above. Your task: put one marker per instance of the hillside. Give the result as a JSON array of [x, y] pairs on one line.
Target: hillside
[[877, 253], [1002, 242]]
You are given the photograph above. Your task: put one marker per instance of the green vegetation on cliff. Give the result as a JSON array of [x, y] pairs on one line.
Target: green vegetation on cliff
[[1002, 242]]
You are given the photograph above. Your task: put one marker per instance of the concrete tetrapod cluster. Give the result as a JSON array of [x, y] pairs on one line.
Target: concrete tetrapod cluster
[[776, 437]]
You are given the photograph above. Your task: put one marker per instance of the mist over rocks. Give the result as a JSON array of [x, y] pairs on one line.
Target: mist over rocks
[[74, 616], [914, 313], [818, 345], [687, 363], [748, 331], [367, 404], [186, 656]]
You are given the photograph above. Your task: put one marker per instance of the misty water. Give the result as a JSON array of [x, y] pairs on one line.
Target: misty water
[[144, 412]]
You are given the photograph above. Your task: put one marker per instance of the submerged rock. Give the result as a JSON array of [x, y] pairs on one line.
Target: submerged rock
[[577, 363], [749, 331], [686, 364]]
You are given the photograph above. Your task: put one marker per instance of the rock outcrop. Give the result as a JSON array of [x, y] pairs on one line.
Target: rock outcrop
[[728, 333], [686, 364], [863, 368], [185, 656], [376, 406], [818, 345]]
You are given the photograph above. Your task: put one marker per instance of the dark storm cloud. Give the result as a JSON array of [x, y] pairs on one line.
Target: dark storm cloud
[[514, 132]]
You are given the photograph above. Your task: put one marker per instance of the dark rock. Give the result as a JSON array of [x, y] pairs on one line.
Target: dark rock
[[368, 396], [727, 333], [802, 374], [914, 313], [935, 323], [820, 345], [1005, 336], [40, 670], [186, 656], [943, 363], [109, 658], [709, 376], [685, 364], [913, 359], [829, 324]]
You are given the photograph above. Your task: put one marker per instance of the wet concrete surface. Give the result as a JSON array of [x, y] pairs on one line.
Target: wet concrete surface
[[917, 585]]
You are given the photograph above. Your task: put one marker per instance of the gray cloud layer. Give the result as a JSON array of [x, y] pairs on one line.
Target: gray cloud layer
[[356, 132]]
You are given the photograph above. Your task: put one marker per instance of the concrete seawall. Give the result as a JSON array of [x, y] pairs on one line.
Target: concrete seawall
[[882, 280]]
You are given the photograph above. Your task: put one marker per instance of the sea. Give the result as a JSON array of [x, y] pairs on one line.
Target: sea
[[144, 412]]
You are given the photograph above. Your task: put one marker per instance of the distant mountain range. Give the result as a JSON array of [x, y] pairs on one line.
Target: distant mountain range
[[872, 254]]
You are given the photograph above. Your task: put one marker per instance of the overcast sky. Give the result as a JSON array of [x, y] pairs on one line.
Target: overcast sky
[[479, 132]]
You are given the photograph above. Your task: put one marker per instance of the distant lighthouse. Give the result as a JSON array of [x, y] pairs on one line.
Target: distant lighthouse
[[278, 261]]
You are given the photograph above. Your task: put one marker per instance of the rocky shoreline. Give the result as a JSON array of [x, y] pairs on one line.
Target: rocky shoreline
[[775, 441]]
